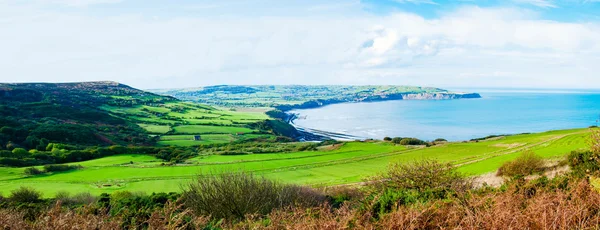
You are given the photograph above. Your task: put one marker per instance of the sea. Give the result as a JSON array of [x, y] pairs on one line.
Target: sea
[[498, 112]]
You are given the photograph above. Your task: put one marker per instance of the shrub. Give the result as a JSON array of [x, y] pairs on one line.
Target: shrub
[[339, 195], [25, 195], [525, 164], [387, 139], [78, 199], [233, 195], [583, 162], [61, 168], [32, 171], [389, 200], [412, 141], [421, 176], [440, 140], [408, 141]]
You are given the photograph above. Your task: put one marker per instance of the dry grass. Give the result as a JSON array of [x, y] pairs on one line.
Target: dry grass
[[58, 218], [523, 205], [575, 209]]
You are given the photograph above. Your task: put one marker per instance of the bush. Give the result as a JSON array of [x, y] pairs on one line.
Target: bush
[[583, 162], [339, 195], [32, 171], [525, 164], [441, 140], [233, 195], [61, 168], [387, 139], [586, 162], [396, 140], [424, 175], [25, 195], [389, 200], [419, 181], [408, 141], [412, 141], [78, 199]]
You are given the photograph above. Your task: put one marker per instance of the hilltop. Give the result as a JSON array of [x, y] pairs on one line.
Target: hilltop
[[286, 97]]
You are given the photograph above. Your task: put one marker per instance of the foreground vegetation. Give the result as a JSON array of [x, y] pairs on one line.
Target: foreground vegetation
[[105, 155], [422, 194], [301, 163]]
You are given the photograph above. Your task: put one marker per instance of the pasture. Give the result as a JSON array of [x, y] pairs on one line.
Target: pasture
[[350, 163], [172, 120]]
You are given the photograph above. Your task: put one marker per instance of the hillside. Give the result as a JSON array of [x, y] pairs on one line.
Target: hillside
[[285, 97], [46, 123], [348, 163], [36, 114]]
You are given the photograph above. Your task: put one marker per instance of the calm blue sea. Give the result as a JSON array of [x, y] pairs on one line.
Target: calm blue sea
[[498, 112]]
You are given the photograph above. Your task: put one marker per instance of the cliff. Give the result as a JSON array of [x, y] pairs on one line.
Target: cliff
[[383, 97]]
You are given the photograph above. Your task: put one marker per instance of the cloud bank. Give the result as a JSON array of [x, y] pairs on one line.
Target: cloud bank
[[467, 46]]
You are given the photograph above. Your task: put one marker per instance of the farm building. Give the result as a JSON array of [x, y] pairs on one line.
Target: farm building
[[197, 138]]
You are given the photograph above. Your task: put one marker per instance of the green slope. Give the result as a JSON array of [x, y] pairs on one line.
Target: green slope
[[347, 164]]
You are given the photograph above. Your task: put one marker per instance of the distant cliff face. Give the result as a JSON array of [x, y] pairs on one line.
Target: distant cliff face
[[423, 96], [384, 97]]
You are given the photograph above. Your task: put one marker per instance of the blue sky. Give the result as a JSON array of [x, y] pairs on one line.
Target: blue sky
[[174, 44]]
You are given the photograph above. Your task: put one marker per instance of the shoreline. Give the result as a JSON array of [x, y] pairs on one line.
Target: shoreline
[[313, 104], [308, 134]]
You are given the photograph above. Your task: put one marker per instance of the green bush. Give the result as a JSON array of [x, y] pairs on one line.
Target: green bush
[[584, 162], [233, 195], [527, 163], [408, 141], [418, 181], [78, 199], [61, 168], [387, 139], [25, 195], [389, 200], [423, 175], [412, 141], [32, 171]]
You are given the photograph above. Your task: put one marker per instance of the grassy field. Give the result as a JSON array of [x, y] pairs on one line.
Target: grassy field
[[208, 129], [156, 129], [348, 164], [173, 119]]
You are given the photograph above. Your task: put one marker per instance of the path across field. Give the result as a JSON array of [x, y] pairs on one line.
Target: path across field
[[348, 164]]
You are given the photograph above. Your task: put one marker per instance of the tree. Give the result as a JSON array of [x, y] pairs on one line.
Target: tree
[[20, 153]]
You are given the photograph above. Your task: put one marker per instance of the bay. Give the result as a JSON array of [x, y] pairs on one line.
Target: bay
[[497, 112]]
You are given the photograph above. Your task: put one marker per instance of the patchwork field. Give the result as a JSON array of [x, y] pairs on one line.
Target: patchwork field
[[349, 163], [177, 122]]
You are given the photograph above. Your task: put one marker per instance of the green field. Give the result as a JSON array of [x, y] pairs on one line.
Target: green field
[[208, 129], [174, 119], [156, 129], [188, 140], [348, 164]]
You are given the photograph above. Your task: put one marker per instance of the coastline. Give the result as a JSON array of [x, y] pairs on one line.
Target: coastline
[[378, 98], [308, 134]]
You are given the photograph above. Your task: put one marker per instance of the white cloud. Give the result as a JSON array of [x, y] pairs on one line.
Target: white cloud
[[470, 46]]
